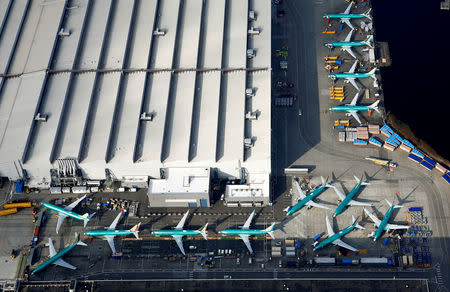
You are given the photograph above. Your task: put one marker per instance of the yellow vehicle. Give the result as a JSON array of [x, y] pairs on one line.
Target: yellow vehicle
[[19, 205], [326, 58], [342, 122], [329, 32], [336, 88], [8, 211], [329, 67]]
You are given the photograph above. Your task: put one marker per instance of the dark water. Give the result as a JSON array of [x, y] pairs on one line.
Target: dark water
[[417, 85]]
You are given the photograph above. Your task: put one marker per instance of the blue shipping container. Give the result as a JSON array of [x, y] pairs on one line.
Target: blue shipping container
[[346, 262], [414, 158], [298, 245], [385, 241], [426, 165], [446, 177], [19, 186], [415, 209], [429, 160], [317, 237]]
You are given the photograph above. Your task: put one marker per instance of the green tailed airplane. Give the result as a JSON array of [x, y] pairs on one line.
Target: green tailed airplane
[[334, 238], [111, 232], [307, 199], [383, 224], [179, 232], [346, 16], [352, 108], [350, 76], [348, 200], [347, 45], [55, 258], [67, 212], [245, 232]]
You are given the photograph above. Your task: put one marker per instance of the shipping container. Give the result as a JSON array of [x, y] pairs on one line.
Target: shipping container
[[417, 153], [426, 165], [290, 253], [317, 237], [414, 158], [19, 205], [289, 242], [276, 248], [341, 136], [55, 190], [385, 241], [374, 261], [415, 209], [388, 147], [8, 211], [410, 260], [276, 254], [429, 160], [290, 248], [375, 142], [324, 261], [405, 148], [440, 168], [446, 177], [405, 260], [359, 142], [346, 262], [298, 244]]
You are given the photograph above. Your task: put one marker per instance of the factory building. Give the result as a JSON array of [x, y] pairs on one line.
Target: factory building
[[134, 93]]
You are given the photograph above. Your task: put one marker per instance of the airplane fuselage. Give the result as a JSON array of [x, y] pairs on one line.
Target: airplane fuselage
[[346, 200], [350, 108], [64, 211], [54, 258], [383, 223], [345, 44], [305, 200], [176, 232], [345, 16], [107, 232], [243, 231], [349, 75], [334, 237]]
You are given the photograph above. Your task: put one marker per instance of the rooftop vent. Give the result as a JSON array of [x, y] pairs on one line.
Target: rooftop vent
[[159, 32], [251, 53], [63, 32], [40, 118], [147, 117], [252, 15], [254, 31], [251, 115], [248, 142]]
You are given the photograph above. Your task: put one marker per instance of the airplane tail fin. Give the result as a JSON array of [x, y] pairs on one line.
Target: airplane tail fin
[[287, 209], [87, 217], [374, 106], [77, 240], [371, 72], [360, 180], [269, 230], [369, 41], [390, 204], [367, 14], [356, 224], [203, 231], [135, 230], [324, 181]]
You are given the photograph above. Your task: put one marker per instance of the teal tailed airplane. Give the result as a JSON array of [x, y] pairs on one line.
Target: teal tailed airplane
[[352, 108], [347, 45], [346, 16], [67, 212], [55, 258], [245, 232], [348, 200], [179, 232], [307, 200], [334, 238], [383, 224], [350, 76], [111, 232]]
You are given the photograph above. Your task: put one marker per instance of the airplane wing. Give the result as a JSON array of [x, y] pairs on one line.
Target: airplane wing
[[61, 218], [353, 82], [355, 99], [356, 203], [355, 116], [249, 220], [395, 226], [330, 230], [74, 204], [182, 221], [373, 217], [244, 237], [114, 223], [349, 50], [300, 191], [352, 69], [349, 36], [338, 192], [347, 21], [179, 241], [344, 245], [51, 247], [347, 11], [110, 240], [62, 263], [314, 204]]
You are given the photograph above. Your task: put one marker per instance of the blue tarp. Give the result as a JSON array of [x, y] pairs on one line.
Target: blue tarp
[[427, 165], [415, 158], [446, 177], [429, 160], [417, 153]]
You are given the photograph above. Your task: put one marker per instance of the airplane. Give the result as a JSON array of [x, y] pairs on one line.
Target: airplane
[[307, 200], [179, 232], [348, 200], [347, 45], [334, 238], [383, 224], [55, 258], [245, 232], [350, 76], [67, 212], [346, 16], [352, 108], [111, 232]]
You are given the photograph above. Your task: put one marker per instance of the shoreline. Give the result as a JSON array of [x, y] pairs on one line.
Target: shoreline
[[405, 131]]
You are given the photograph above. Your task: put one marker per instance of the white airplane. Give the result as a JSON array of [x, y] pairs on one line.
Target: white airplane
[[334, 238], [346, 16], [350, 76], [347, 45], [348, 200], [383, 224]]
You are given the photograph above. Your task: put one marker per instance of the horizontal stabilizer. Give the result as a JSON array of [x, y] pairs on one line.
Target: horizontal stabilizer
[[203, 231]]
